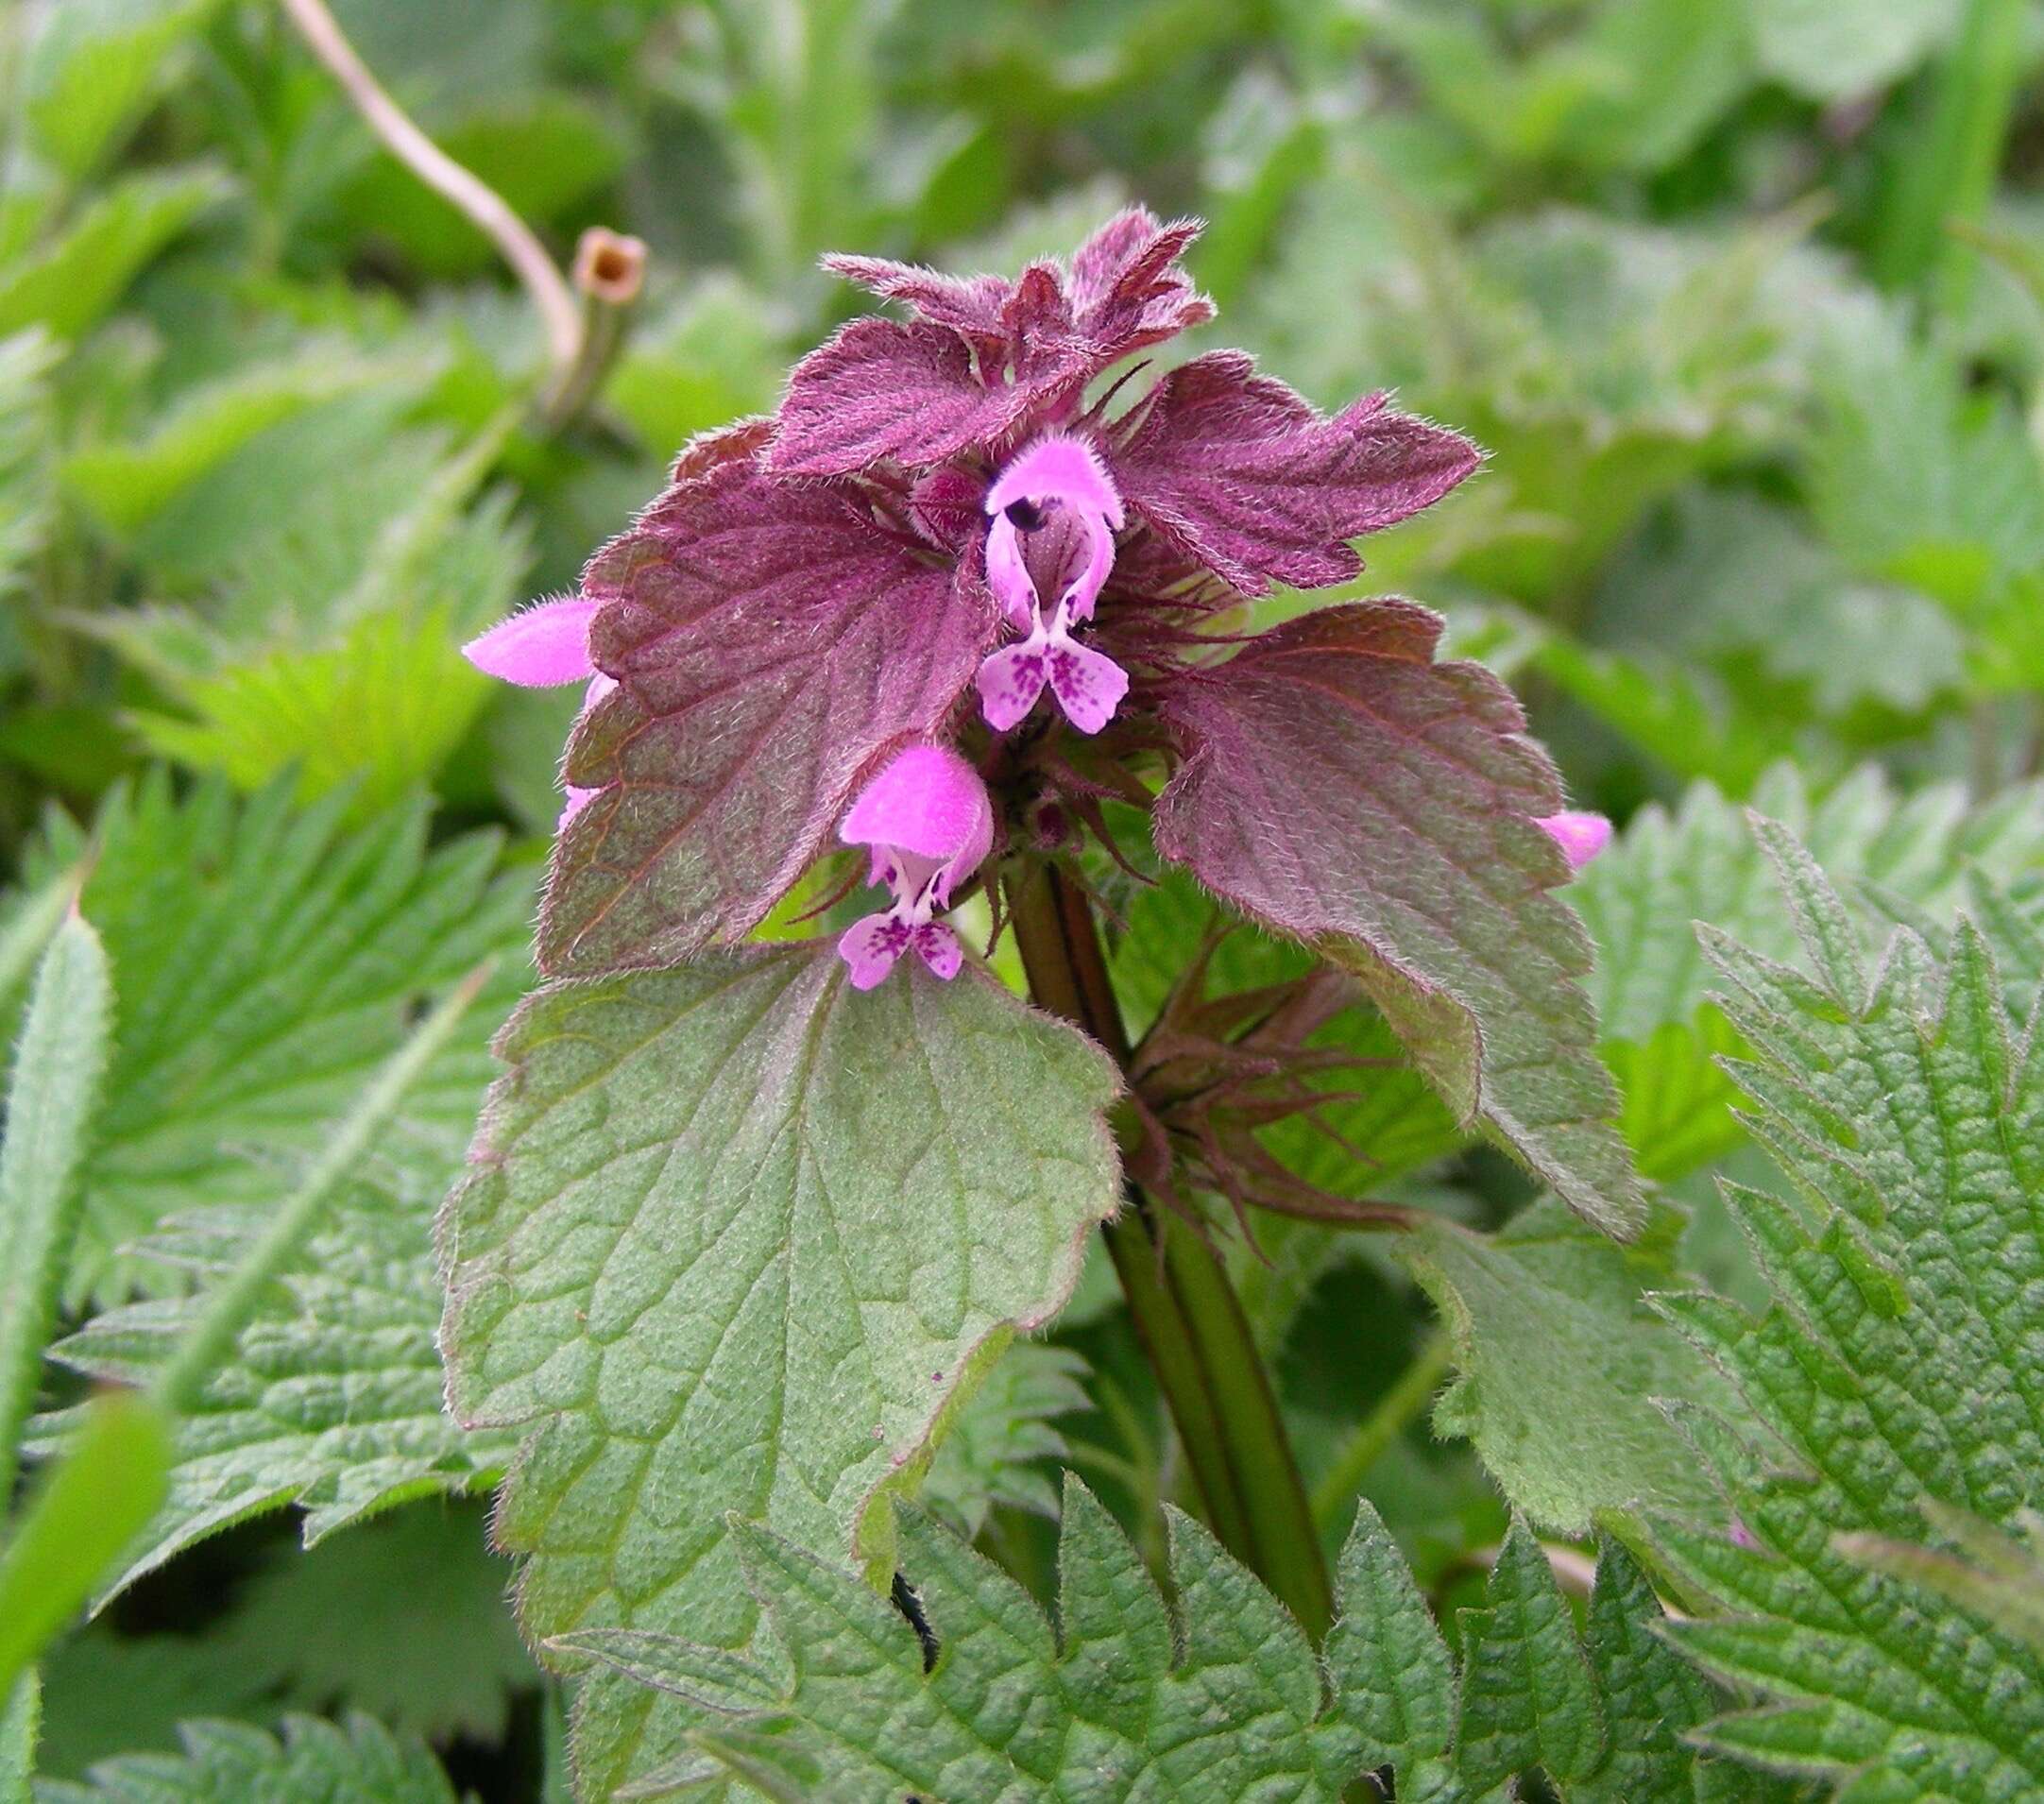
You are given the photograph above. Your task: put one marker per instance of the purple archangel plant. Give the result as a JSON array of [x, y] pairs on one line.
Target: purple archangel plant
[[963, 590]]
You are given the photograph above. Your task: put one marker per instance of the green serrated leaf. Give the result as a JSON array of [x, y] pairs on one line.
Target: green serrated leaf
[[1897, 1363], [58, 1068], [90, 67], [331, 1399], [1395, 1679], [26, 359], [126, 485], [357, 1761], [1211, 1700], [266, 958], [732, 1235], [67, 286], [382, 712], [1661, 1035], [994, 1449], [1526, 1696], [21, 1718], [1561, 1367]]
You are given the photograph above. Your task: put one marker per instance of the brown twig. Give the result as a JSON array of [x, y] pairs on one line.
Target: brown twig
[[475, 200]]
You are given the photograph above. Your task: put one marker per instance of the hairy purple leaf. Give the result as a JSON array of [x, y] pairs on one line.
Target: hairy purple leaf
[[1343, 788], [773, 645], [1242, 475]]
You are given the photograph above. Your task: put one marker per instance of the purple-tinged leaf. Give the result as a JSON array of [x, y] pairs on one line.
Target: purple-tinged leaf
[[1126, 290], [773, 646], [983, 354], [1343, 788], [881, 390], [1238, 473], [969, 306]]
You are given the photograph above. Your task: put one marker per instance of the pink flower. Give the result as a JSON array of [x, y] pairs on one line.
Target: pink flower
[[929, 823], [542, 648], [1580, 836], [1053, 513]]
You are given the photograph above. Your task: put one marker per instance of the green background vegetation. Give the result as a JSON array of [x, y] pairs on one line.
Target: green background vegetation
[[1745, 299]]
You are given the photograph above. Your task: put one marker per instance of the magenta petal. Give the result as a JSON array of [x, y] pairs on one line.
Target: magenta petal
[[1009, 681], [869, 949], [577, 801], [938, 948], [1580, 835], [928, 801], [537, 647], [1089, 685], [1008, 576], [1057, 468]]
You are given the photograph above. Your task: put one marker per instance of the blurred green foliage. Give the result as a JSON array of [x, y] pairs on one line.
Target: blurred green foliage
[[1746, 298]]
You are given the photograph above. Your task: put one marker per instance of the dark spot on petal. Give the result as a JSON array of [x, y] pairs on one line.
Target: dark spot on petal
[[1025, 515]]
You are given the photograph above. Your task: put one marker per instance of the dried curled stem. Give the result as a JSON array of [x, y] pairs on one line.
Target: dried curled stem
[[561, 316]]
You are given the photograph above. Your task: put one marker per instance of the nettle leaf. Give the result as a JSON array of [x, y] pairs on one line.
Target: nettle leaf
[[1897, 1364], [1213, 1699], [1344, 789], [265, 959], [1563, 1366], [405, 1617], [333, 1397], [68, 285], [773, 646], [26, 359], [734, 1239], [992, 1451], [1665, 872], [354, 1763]]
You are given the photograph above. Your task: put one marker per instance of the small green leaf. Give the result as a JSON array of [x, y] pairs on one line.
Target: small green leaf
[[58, 1067], [1527, 1698], [20, 1724], [357, 1761], [732, 1235], [1394, 1680], [67, 286], [994, 1449], [105, 1484], [1561, 1365], [88, 69]]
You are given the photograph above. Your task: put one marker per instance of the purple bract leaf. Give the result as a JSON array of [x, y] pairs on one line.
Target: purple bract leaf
[[1343, 788], [1238, 473], [881, 390], [773, 646], [1126, 290], [985, 356]]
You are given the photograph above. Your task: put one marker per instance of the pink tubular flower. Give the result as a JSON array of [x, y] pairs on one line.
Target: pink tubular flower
[[929, 823], [543, 647], [1053, 513], [1580, 836]]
